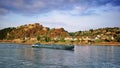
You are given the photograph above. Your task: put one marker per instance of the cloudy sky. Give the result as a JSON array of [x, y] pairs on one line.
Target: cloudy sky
[[73, 15]]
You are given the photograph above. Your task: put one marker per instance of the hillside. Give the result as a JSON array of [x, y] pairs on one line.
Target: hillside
[[101, 34], [3, 32], [33, 31], [30, 30], [38, 33]]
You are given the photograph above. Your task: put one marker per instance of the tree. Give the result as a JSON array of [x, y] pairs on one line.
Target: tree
[[47, 39], [72, 34], [91, 30], [62, 39], [38, 38], [4, 32], [117, 39]]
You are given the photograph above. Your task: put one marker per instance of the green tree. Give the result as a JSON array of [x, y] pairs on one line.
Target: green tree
[[38, 38], [117, 39], [3, 33], [62, 39], [91, 30], [47, 39], [72, 34]]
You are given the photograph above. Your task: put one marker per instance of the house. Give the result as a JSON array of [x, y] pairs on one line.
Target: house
[[68, 38], [33, 38]]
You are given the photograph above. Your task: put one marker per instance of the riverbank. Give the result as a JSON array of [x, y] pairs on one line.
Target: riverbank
[[63, 43]]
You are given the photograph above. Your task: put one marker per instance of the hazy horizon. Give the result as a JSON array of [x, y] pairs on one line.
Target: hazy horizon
[[72, 15]]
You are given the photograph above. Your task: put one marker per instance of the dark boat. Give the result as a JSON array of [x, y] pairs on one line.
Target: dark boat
[[63, 47]]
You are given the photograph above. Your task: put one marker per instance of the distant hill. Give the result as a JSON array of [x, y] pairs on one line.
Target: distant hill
[[34, 30], [3, 32], [102, 34], [38, 31]]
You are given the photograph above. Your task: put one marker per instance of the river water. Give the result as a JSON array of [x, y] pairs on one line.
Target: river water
[[24, 56]]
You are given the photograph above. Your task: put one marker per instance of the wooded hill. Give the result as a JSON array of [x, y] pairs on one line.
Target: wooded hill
[[32, 30], [37, 30]]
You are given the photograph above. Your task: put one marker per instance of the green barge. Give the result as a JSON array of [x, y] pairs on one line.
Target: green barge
[[54, 46]]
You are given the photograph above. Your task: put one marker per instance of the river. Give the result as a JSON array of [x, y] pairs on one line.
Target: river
[[24, 56]]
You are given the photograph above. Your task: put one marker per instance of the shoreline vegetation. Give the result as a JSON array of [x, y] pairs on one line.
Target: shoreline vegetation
[[63, 43], [37, 33]]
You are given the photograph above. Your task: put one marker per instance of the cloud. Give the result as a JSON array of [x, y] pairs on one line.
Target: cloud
[[76, 22], [3, 11], [43, 6], [72, 15]]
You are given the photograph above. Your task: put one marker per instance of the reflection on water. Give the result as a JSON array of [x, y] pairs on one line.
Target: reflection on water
[[98, 56], [22, 56]]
